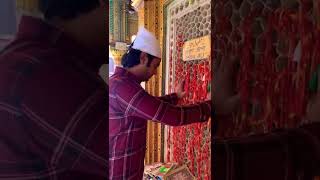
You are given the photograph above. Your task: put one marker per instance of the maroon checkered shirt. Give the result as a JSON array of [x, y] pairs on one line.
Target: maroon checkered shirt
[[130, 106], [53, 107]]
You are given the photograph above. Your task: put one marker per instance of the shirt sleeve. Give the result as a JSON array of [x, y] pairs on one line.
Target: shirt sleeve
[[141, 104], [170, 98]]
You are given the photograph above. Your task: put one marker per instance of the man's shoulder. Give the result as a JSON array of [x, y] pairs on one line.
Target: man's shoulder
[[24, 55], [16, 64], [40, 69], [119, 84]]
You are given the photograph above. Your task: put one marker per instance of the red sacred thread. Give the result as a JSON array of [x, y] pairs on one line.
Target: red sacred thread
[[274, 91], [190, 147], [246, 69]]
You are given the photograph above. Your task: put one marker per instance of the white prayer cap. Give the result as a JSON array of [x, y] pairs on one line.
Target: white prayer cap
[[147, 42]]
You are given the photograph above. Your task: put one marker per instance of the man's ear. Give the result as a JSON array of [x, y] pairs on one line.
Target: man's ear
[[143, 58]]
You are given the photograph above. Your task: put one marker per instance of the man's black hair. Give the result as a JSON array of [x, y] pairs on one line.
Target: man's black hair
[[132, 58], [66, 9]]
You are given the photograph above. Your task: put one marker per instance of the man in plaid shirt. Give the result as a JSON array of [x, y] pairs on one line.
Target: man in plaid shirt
[[53, 103], [130, 106]]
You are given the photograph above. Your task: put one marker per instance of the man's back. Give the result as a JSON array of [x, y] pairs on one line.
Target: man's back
[[52, 106]]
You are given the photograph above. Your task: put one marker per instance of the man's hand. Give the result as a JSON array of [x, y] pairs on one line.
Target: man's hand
[[209, 122], [225, 101], [180, 90], [208, 96], [313, 109]]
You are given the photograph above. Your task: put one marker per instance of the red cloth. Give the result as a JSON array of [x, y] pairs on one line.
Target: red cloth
[[52, 107], [130, 106]]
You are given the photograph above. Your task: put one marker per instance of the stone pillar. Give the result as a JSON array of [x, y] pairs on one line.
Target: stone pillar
[[150, 16]]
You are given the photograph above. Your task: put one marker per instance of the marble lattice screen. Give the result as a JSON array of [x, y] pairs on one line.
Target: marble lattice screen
[[186, 20]]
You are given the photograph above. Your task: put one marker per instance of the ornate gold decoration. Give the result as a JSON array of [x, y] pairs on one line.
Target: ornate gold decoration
[[117, 55], [150, 16], [27, 5]]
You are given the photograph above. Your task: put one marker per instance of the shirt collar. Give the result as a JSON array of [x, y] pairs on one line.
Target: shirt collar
[[35, 29], [120, 71]]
